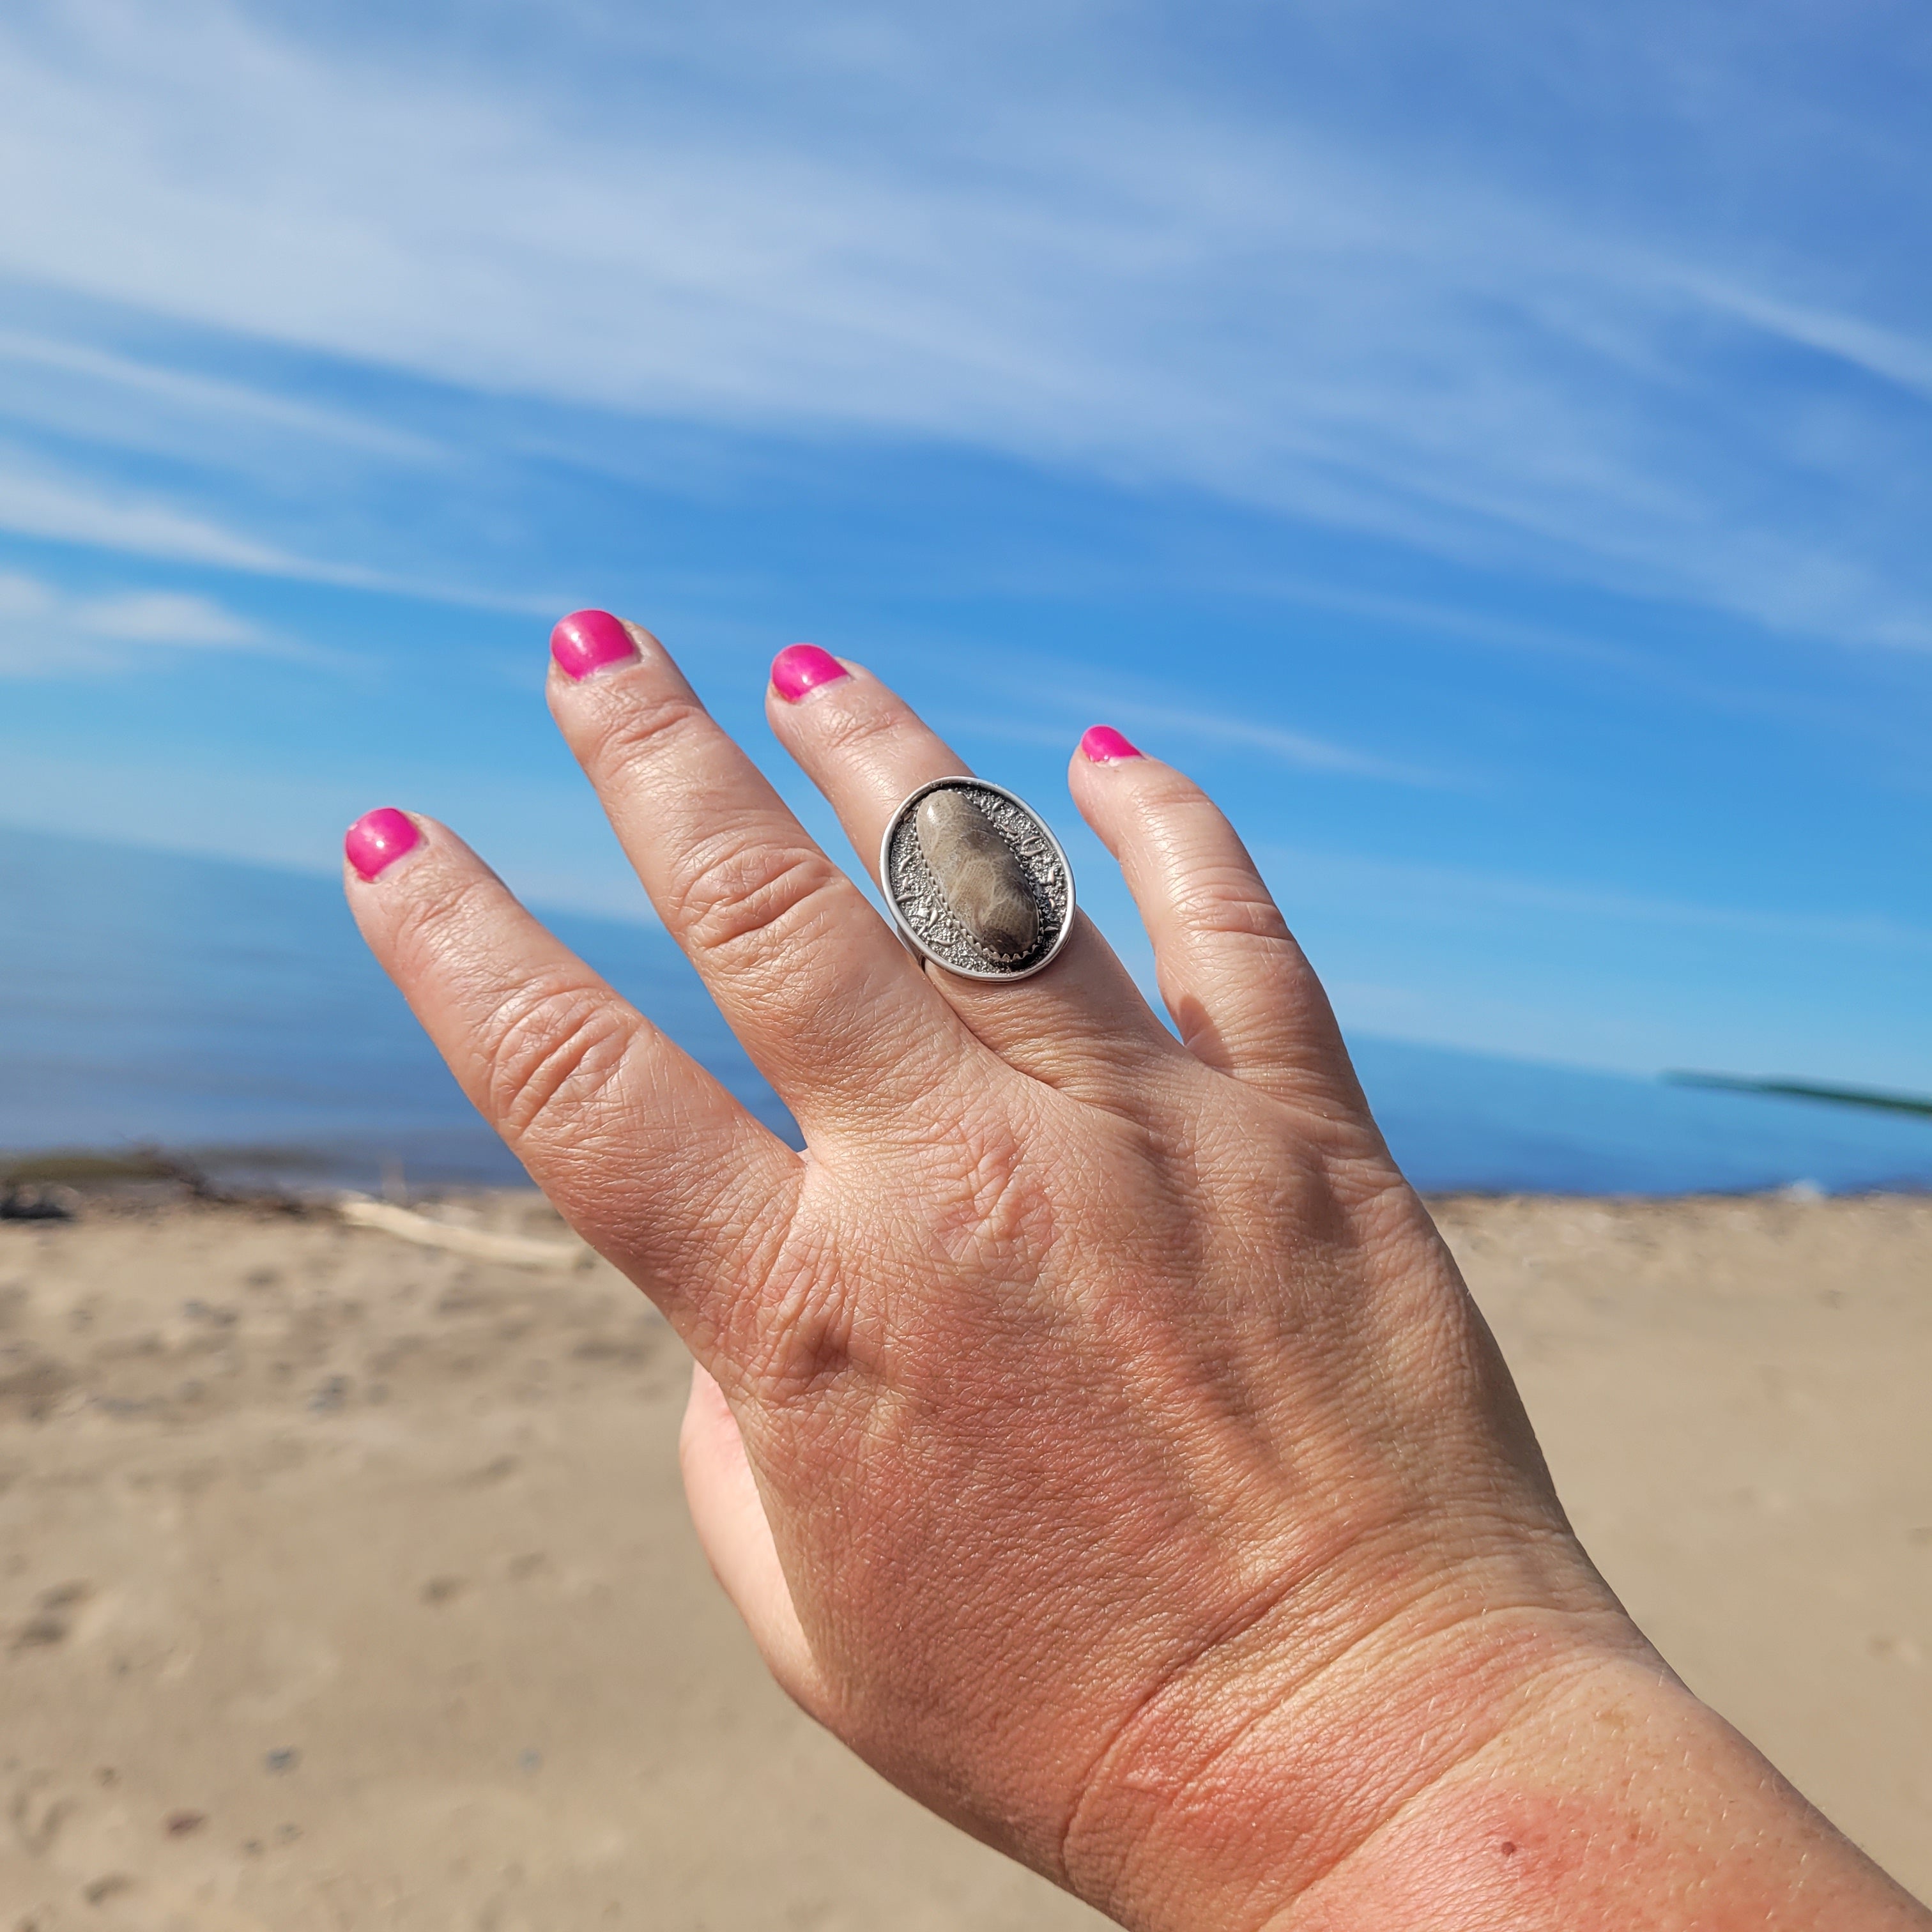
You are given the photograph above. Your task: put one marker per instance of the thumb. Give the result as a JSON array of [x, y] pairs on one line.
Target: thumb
[[729, 1516]]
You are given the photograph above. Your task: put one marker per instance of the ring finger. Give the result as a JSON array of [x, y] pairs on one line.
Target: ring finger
[[866, 750]]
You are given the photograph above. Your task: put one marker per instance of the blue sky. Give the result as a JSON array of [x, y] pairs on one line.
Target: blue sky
[[1491, 443]]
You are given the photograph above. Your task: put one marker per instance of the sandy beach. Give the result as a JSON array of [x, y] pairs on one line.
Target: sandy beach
[[347, 1582]]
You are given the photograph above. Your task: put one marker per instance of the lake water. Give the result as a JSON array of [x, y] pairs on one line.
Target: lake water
[[149, 997]]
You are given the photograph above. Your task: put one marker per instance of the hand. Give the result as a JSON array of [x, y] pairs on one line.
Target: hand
[[1090, 1425]]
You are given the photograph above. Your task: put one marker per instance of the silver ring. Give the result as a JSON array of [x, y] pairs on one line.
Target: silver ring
[[986, 909]]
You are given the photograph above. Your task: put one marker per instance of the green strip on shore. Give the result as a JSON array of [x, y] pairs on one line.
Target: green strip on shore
[[1810, 1089]]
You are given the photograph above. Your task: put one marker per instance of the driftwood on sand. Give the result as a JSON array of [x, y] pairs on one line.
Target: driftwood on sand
[[406, 1224]]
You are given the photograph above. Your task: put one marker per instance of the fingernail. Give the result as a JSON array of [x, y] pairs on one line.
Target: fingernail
[[1103, 745], [800, 668], [586, 640], [379, 838]]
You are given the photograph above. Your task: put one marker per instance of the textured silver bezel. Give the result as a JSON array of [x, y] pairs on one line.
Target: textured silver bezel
[[918, 908]]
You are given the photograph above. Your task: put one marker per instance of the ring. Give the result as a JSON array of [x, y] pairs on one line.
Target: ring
[[976, 882]]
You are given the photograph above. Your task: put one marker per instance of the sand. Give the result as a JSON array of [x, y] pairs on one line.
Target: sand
[[345, 1583]]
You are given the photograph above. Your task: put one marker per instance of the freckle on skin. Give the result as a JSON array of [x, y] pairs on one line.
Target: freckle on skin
[[1568, 1860]]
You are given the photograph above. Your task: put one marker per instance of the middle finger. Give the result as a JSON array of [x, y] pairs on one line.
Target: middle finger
[[811, 980]]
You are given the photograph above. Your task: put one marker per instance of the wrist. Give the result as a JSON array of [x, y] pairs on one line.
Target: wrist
[[1619, 1800], [1476, 1756], [1253, 1777]]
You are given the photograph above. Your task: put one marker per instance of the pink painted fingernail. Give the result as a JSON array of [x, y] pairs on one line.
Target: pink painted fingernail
[[1104, 745], [800, 668], [587, 641], [379, 838]]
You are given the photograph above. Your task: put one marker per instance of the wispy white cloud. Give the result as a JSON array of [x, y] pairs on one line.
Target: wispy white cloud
[[1455, 892], [46, 632], [77, 389], [35, 504], [166, 617], [1060, 705], [1297, 749], [1300, 749], [48, 506], [1889, 356], [1125, 267]]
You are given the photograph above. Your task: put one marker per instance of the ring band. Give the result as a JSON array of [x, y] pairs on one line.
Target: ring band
[[976, 882]]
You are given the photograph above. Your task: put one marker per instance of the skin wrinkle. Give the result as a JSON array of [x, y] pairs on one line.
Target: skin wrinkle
[[986, 1196], [736, 1226], [434, 929], [1285, 1399], [1335, 1868], [1425, 1637], [1190, 1332], [1216, 905], [428, 934], [630, 728], [1164, 1140], [797, 1343], [1061, 1050], [1242, 1051], [1104, 1083], [848, 732], [642, 736], [1038, 1623], [551, 1045], [929, 1066], [781, 1266], [586, 1146], [1264, 1606], [1595, 1816], [1289, 1029], [1288, 1053], [737, 899]]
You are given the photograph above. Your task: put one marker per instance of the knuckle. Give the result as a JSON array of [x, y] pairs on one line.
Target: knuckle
[[1162, 789], [740, 892], [986, 1199], [806, 1346], [642, 727], [852, 731], [798, 1334], [1228, 901], [429, 932], [551, 1045]]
